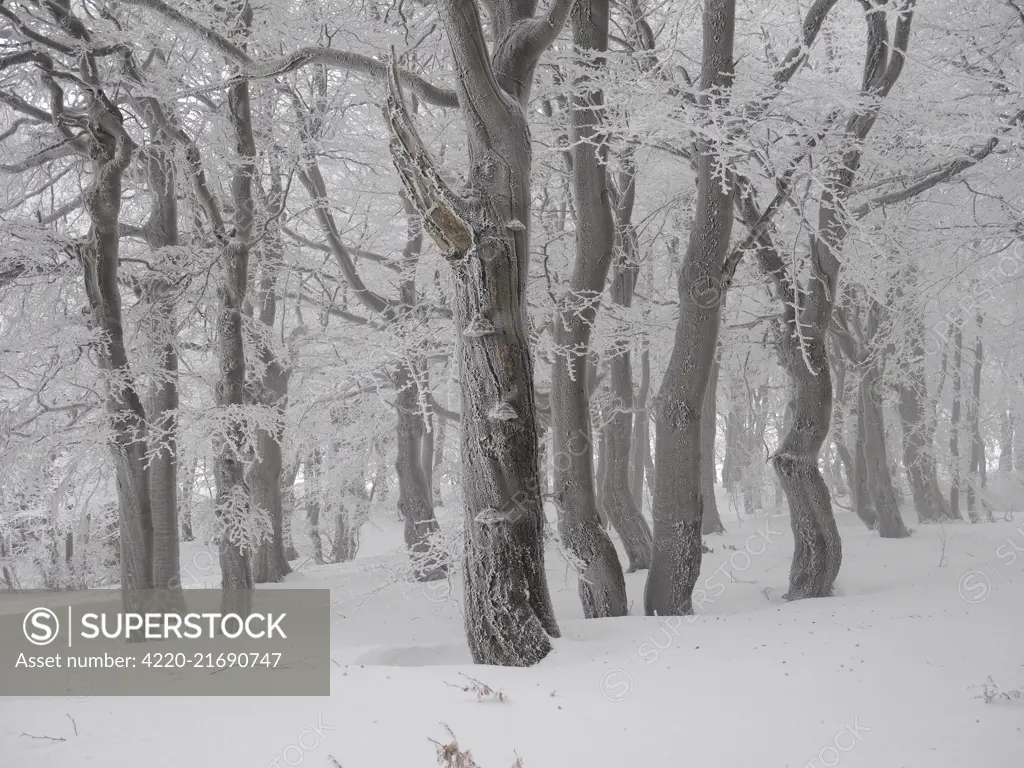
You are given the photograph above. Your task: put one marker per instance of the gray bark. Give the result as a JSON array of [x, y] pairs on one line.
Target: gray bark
[[602, 587], [712, 521], [879, 481], [678, 495], [234, 504], [485, 237], [1007, 428], [270, 561], [954, 421], [641, 440], [414, 495]]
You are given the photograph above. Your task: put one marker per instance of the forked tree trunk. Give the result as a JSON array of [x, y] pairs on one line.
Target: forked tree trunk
[[485, 237], [678, 494], [712, 521]]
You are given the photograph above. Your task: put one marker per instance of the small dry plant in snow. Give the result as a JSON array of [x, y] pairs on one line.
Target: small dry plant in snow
[[991, 692], [483, 691]]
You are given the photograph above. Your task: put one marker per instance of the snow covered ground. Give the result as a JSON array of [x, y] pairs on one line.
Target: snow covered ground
[[889, 673]]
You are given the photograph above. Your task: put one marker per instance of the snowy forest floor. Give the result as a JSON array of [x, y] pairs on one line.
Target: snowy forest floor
[[894, 671]]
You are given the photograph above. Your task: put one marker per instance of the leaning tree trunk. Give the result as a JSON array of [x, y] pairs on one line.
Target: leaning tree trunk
[[485, 238], [712, 522], [678, 494]]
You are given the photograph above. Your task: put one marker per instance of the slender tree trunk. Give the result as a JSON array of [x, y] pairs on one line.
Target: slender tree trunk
[[617, 499], [1007, 428], [414, 495], [427, 454], [977, 471], [438, 463], [712, 521], [312, 495], [954, 422], [678, 496], [641, 441]]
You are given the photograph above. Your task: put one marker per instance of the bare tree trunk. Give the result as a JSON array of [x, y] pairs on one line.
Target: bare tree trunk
[[234, 504], [918, 425], [602, 588], [712, 521], [976, 480], [641, 441], [312, 495], [414, 495], [161, 232], [1007, 428], [427, 454], [678, 496], [879, 481], [485, 236], [438, 463], [112, 154], [270, 561], [187, 500], [954, 422], [617, 499]]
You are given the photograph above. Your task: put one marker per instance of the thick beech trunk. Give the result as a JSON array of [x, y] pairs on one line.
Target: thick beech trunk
[[99, 256], [234, 503], [678, 495], [485, 237]]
